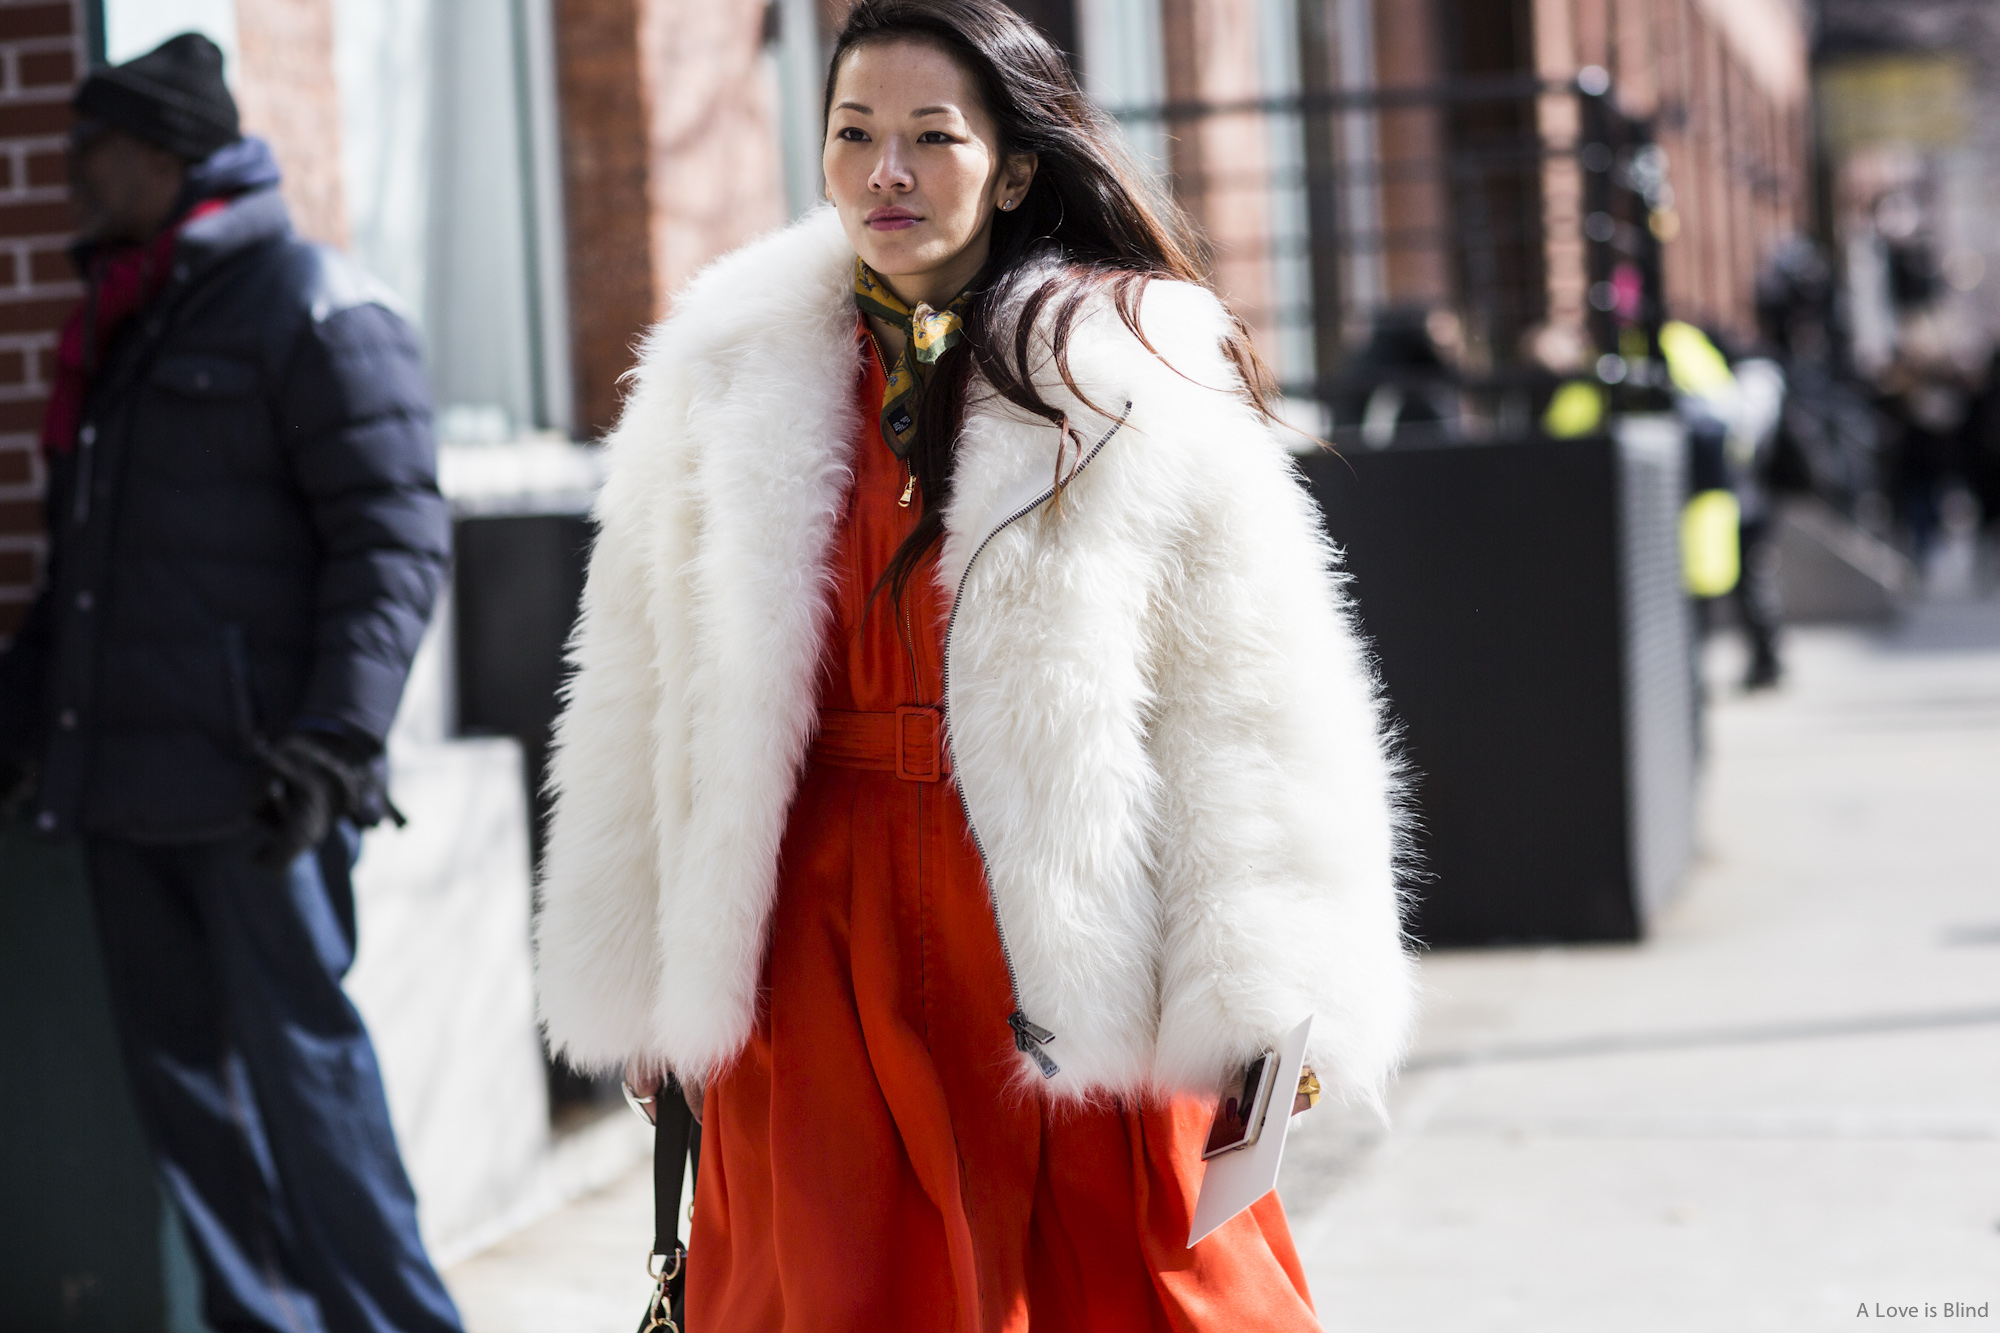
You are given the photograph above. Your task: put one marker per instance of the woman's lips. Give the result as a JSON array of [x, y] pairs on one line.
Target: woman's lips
[[891, 219]]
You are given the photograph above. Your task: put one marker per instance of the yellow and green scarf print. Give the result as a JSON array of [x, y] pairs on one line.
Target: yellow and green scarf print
[[927, 335]]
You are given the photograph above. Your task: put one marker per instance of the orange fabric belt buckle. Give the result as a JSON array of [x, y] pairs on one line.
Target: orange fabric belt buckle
[[908, 742], [920, 748]]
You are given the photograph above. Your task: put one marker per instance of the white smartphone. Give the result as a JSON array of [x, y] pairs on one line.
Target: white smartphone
[[1239, 1111]]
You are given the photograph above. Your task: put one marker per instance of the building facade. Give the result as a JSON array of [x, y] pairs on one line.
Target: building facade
[[42, 46], [1908, 97], [535, 180]]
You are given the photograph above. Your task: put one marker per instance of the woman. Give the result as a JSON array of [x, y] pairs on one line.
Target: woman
[[968, 767]]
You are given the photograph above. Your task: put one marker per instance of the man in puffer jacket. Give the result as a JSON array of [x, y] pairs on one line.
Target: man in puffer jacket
[[246, 539]]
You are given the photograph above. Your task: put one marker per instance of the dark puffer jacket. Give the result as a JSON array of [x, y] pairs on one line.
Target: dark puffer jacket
[[248, 538]]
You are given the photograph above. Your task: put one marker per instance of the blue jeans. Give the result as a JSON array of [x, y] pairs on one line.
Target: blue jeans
[[257, 1086]]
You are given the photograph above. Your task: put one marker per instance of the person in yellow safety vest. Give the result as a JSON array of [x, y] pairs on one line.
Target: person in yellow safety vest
[[1731, 415]]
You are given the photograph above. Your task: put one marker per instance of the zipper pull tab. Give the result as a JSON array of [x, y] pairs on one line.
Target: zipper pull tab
[[86, 442], [1029, 1038], [909, 487]]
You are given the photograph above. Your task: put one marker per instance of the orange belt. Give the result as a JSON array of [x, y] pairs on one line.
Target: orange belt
[[908, 742]]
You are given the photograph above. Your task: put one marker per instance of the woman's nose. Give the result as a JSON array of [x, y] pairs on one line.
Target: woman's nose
[[891, 169]]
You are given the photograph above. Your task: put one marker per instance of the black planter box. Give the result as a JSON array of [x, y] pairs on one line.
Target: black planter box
[[1525, 602], [516, 584]]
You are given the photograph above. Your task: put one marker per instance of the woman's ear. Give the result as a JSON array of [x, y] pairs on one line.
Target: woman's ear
[[1016, 175]]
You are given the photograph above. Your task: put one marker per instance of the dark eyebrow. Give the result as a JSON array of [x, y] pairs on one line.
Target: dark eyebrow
[[869, 110]]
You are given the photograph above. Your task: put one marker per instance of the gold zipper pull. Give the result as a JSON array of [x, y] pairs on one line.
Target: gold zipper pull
[[909, 487]]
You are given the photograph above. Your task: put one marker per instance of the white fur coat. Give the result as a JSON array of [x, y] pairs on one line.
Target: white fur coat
[[1163, 726]]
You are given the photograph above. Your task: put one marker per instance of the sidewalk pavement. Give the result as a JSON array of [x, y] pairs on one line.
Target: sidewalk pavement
[[580, 1270], [1783, 1108], [1785, 1105]]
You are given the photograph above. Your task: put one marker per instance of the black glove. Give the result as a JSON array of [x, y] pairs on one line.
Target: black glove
[[311, 780]]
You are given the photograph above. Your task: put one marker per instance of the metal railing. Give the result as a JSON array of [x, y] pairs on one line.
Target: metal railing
[[1511, 223]]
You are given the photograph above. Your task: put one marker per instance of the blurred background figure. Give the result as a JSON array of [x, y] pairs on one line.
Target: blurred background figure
[[1980, 460], [1909, 212], [1828, 440], [1732, 413], [1403, 382], [246, 542], [1929, 385]]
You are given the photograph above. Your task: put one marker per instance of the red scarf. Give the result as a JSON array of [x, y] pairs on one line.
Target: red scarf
[[121, 282]]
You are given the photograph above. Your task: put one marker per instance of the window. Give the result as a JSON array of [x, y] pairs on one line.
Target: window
[[449, 175]]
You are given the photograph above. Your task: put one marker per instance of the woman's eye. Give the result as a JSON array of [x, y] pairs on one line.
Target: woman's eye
[[852, 134], [934, 136]]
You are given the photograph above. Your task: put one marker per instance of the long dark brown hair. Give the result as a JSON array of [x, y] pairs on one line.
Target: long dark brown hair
[[1087, 225]]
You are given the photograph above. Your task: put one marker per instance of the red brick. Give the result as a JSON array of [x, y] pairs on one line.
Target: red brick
[[33, 118], [20, 518], [286, 88], [13, 366], [45, 365], [611, 281], [35, 316], [9, 271], [18, 21], [17, 568], [35, 219], [50, 168], [11, 616], [50, 266], [17, 467], [45, 69], [22, 414]]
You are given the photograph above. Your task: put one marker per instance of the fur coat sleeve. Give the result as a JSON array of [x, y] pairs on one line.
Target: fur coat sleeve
[[597, 960], [1168, 732], [1274, 841]]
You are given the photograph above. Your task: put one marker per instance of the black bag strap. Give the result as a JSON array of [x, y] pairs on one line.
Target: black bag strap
[[676, 1150], [676, 1136]]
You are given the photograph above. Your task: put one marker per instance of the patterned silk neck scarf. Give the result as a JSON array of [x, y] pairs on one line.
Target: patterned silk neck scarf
[[927, 335]]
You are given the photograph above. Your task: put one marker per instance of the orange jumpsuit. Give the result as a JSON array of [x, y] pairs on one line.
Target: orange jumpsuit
[[869, 1162]]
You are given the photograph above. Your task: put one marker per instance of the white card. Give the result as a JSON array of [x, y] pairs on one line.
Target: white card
[[1238, 1179]]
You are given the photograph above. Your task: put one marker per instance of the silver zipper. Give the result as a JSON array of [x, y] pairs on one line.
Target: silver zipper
[[1029, 1036]]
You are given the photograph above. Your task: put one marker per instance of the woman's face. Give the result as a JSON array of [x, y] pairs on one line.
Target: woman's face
[[913, 164]]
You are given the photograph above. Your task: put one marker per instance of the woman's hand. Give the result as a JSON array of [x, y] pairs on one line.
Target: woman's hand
[[645, 1079]]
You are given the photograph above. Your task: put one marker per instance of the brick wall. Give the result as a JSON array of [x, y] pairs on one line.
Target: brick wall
[[1408, 54], [1724, 82], [1730, 112], [1221, 163], [714, 176], [670, 159], [286, 91], [604, 155], [41, 52]]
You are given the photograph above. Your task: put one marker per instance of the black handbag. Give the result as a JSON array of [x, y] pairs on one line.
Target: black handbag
[[676, 1148]]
